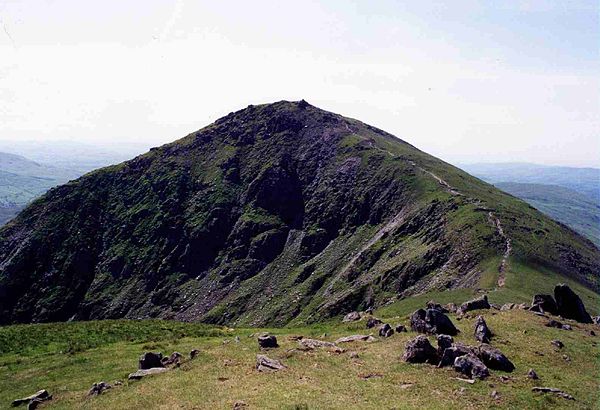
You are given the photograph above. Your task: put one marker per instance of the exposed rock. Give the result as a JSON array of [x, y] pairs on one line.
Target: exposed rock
[[147, 372], [544, 304], [434, 305], [354, 355], [40, 396], [419, 350], [99, 388], [596, 320], [150, 360], [522, 306], [475, 304], [531, 374], [569, 304], [444, 342], [239, 405], [494, 358], [351, 317], [432, 321], [194, 353], [567, 327], [451, 307], [174, 359], [482, 331], [508, 306], [266, 364], [386, 330], [495, 395], [557, 343], [311, 344], [558, 392], [372, 322], [355, 338], [451, 353], [471, 366], [400, 329], [267, 342]]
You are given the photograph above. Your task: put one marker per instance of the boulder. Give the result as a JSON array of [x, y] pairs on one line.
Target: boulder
[[494, 358], [311, 344], [544, 304], [475, 304], [150, 360], [147, 372], [194, 353], [267, 342], [99, 388], [451, 307], [569, 304], [531, 374], [557, 343], [355, 338], [40, 396], [558, 325], [444, 342], [400, 329], [434, 305], [372, 322], [386, 330], [266, 364], [507, 306], [451, 353], [174, 359], [351, 317], [419, 350], [471, 366], [432, 321], [482, 331]]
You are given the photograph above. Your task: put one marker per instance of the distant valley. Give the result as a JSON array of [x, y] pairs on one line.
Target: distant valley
[[568, 195]]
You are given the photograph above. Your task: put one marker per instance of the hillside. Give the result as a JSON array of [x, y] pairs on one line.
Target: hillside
[[573, 209], [276, 213], [22, 180], [586, 181]]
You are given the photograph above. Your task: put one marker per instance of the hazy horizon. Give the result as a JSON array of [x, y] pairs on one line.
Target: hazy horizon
[[475, 82]]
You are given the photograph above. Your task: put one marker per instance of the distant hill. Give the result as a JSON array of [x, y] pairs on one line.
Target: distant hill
[[22, 180], [582, 180], [563, 204]]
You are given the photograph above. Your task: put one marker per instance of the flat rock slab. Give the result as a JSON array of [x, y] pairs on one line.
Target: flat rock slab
[[266, 364], [147, 372], [41, 395], [311, 344], [355, 338], [558, 392]]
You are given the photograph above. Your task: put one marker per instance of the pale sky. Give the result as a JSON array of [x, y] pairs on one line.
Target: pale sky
[[467, 81]]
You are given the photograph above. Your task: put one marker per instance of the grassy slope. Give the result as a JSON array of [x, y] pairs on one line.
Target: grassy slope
[[67, 358]]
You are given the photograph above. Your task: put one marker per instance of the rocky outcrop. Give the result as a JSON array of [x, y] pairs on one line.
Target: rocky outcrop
[[471, 366], [494, 358], [351, 317], [267, 342], [569, 304], [140, 374], [482, 332], [99, 388], [35, 398], [355, 338], [432, 321], [386, 330], [150, 360], [266, 364], [420, 350], [373, 322], [450, 354], [544, 304], [475, 304]]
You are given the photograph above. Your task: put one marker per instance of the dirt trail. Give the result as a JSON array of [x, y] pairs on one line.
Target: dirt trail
[[507, 249]]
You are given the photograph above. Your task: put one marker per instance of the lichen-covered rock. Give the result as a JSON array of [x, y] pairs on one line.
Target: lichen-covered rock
[[471, 366], [420, 350], [569, 304], [266, 364], [482, 331]]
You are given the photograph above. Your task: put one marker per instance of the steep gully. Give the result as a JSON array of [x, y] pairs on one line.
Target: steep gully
[[399, 218]]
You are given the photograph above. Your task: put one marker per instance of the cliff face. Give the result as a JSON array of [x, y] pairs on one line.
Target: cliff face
[[274, 212]]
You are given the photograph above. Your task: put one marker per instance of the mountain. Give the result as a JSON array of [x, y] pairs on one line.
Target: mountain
[[274, 213], [583, 180], [22, 180], [572, 208]]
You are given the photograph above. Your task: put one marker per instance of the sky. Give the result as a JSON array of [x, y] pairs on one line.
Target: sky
[[467, 80]]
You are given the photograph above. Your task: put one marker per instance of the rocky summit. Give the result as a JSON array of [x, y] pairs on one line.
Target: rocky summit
[[275, 213]]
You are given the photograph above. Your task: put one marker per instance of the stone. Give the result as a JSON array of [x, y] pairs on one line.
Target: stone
[[239, 405], [494, 358], [355, 338], [558, 392], [267, 342], [432, 321], [420, 350], [311, 344], [386, 330], [451, 307], [554, 323], [174, 359], [475, 304], [451, 353], [147, 372], [495, 395], [401, 328], [266, 364], [544, 304], [194, 353], [596, 320], [471, 366], [150, 360], [354, 355], [507, 306], [557, 343], [569, 304], [40, 396], [434, 305], [372, 322], [444, 342], [351, 317], [531, 374], [99, 388], [482, 331]]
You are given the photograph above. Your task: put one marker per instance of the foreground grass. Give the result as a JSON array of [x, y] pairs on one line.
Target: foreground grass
[[224, 372]]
